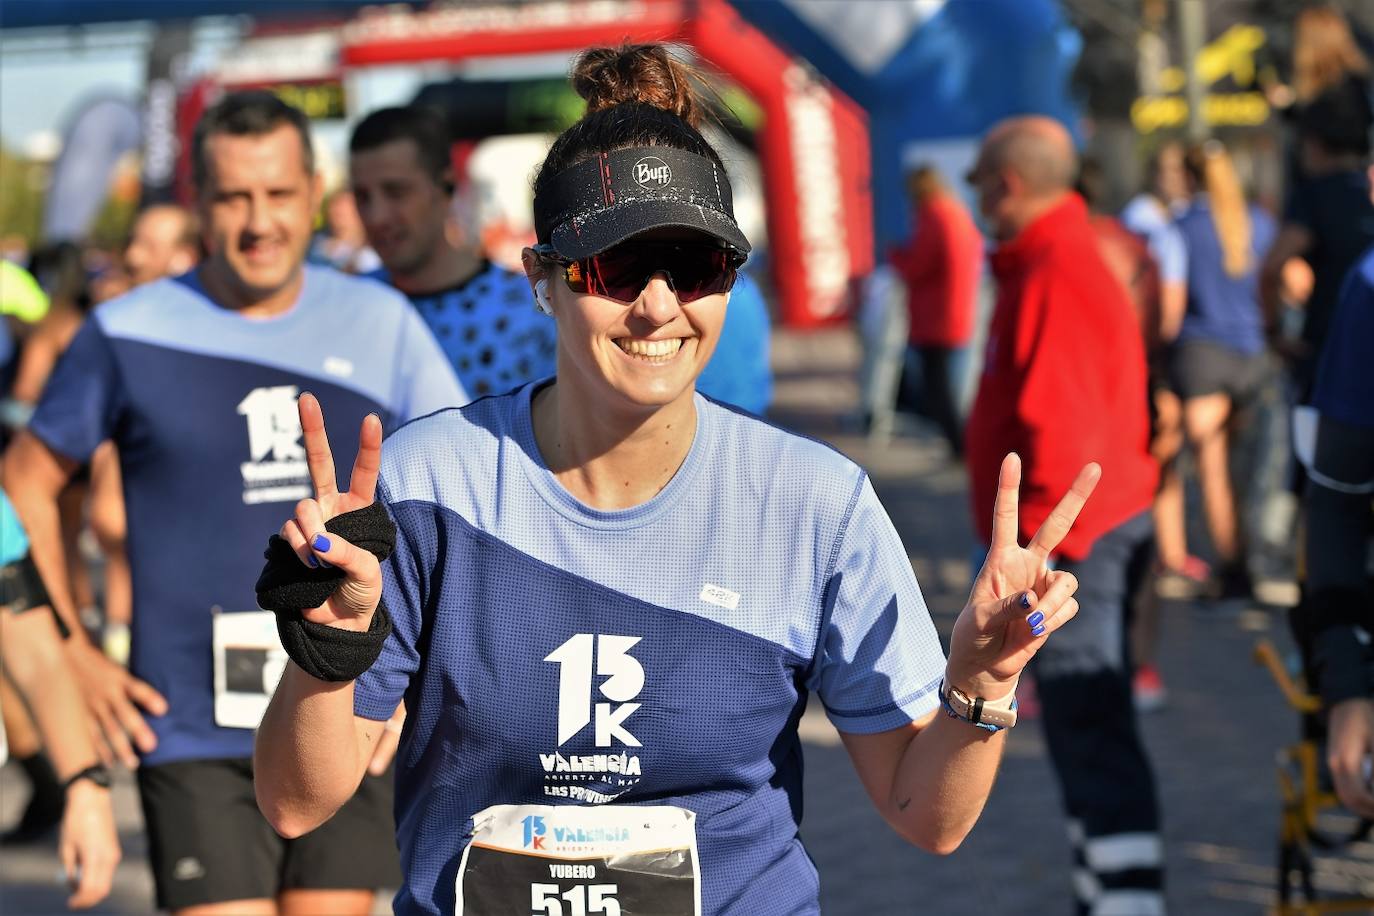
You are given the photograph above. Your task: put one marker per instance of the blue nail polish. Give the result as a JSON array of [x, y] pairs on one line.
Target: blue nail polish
[[320, 543], [312, 562], [1034, 620], [1038, 631], [1025, 600]]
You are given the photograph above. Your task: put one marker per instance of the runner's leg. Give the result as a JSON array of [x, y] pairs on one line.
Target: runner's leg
[[1204, 420], [315, 902], [1171, 536]]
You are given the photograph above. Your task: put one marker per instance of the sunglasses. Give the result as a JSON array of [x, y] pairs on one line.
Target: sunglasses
[[694, 270]]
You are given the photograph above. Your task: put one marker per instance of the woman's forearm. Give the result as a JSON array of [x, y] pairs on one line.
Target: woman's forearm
[[942, 782], [310, 752]]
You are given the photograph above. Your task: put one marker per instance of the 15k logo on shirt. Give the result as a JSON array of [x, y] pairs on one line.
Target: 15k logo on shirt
[[582, 702], [276, 470]]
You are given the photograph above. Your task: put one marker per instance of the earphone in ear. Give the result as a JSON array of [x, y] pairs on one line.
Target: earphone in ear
[[541, 297]]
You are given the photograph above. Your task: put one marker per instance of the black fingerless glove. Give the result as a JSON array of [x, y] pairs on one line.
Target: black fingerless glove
[[287, 586]]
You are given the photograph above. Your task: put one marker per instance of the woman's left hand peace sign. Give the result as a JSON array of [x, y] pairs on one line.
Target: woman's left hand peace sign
[[353, 603], [1017, 600]]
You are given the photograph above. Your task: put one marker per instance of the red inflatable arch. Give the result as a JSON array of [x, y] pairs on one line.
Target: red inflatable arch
[[813, 144]]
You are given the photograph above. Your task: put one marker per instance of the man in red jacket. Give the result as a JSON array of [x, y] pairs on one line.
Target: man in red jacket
[[1064, 383]]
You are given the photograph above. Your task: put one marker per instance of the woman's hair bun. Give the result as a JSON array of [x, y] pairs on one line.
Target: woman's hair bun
[[644, 73]]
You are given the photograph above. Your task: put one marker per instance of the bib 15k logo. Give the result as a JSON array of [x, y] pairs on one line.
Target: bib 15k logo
[[534, 832], [577, 658]]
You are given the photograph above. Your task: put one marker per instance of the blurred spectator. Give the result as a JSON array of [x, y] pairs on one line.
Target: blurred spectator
[[739, 371], [1064, 383], [482, 314], [940, 266], [1218, 366], [1329, 67], [22, 304], [33, 661], [1335, 616], [882, 326], [1150, 215], [1329, 222], [343, 243], [1129, 260], [60, 271], [164, 242]]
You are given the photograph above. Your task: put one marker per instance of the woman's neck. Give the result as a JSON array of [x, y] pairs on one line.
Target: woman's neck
[[606, 459]]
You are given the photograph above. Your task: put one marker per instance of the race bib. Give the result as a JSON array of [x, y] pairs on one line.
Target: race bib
[[571, 860], [248, 664]]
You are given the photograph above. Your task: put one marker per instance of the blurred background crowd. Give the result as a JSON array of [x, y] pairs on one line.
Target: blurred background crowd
[[1221, 149]]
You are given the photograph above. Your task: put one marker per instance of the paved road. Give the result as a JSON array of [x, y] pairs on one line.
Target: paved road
[[1214, 745]]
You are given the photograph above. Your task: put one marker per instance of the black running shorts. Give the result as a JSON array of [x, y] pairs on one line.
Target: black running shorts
[[1201, 367], [209, 843]]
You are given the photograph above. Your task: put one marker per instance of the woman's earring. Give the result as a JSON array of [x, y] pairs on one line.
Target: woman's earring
[[541, 297]]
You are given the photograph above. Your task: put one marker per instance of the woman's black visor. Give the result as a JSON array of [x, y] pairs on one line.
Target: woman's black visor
[[599, 203]]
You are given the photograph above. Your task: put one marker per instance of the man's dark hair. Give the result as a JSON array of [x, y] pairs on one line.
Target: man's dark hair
[[251, 113], [427, 128]]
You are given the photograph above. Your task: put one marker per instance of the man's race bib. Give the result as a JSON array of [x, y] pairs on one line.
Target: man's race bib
[[571, 860], [249, 661]]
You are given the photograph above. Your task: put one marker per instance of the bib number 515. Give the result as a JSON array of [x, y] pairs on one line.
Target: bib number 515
[[582, 900]]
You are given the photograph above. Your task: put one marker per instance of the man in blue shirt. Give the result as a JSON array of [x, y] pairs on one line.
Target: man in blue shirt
[[195, 380], [482, 314]]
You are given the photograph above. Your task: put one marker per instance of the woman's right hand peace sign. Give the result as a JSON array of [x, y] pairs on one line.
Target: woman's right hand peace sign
[[352, 604]]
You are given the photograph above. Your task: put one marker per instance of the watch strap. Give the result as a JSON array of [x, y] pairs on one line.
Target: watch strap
[[97, 773], [992, 715]]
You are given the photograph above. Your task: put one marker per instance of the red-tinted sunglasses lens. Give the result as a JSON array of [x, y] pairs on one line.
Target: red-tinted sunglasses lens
[[622, 272]]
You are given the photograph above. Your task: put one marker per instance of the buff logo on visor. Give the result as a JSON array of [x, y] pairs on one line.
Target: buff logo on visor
[[598, 203], [653, 172]]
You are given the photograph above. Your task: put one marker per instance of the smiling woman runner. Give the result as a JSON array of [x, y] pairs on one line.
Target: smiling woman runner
[[610, 597]]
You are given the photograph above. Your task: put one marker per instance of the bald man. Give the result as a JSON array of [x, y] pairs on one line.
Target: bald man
[[163, 243], [1063, 384]]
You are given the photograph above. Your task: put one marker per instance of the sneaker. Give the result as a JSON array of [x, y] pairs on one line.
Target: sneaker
[[1147, 688], [1185, 582], [1194, 569]]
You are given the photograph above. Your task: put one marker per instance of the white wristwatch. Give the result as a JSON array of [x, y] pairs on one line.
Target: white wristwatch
[[997, 714]]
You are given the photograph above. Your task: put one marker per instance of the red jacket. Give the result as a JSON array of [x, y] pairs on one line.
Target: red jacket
[[1063, 383], [940, 266]]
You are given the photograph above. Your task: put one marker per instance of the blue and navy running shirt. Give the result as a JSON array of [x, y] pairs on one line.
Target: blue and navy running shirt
[[201, 403], [552, 653], [491, 331]]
